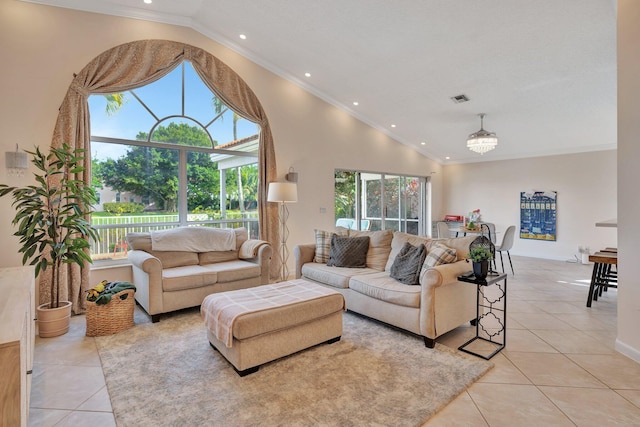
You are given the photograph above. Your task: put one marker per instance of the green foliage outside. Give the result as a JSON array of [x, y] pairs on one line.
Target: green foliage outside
[[152, 173], [119, 208], [345, 194]]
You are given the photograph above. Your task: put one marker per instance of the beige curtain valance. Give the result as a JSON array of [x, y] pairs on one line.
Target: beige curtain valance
[[136, 64]]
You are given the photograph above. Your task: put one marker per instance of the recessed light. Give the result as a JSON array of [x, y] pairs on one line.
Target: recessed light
[[393, 126], [307, 74], [423, 143], [355, 102], [447, 158], [148, 1], [243, 37]]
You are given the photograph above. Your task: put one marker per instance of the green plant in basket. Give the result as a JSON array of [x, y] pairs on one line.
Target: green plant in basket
[[479, 254]]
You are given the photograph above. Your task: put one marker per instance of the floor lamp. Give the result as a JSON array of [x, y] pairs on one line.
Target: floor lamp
[[283, 193]]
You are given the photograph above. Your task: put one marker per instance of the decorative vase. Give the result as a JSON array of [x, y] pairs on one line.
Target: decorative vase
[[53, 322], [481, 269]]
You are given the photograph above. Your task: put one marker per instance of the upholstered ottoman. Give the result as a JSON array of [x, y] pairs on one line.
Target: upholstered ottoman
[[253, 326]]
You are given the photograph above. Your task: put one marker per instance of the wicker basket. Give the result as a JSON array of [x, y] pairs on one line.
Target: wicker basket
[[113, 317]]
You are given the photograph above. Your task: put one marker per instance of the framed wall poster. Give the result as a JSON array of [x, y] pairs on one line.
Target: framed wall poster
[[538, 215]]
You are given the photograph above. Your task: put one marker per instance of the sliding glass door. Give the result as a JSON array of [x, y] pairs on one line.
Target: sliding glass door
[[378, 201]]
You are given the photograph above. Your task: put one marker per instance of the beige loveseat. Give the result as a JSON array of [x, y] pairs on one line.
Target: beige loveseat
[[177, 268], [439, 304]]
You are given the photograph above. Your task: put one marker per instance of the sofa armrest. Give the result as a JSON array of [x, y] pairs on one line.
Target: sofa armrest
[[445, 273], [249, 250], [145, 261], [258, 252], [440, 288], [303, 254], [263, 258], [147, 276]]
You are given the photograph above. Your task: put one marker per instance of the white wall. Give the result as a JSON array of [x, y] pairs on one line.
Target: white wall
[[586, 186], [628, 177]]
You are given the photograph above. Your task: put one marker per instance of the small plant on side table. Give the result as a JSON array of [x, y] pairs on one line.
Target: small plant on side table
[[481, 256]]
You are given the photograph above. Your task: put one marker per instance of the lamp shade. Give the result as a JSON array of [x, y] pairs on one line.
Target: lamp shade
[[286, 192]]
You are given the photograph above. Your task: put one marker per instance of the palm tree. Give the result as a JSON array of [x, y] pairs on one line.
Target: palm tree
[[115, 101], [220, 108]]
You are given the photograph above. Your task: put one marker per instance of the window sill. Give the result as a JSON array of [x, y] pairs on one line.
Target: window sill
[[110, 263]]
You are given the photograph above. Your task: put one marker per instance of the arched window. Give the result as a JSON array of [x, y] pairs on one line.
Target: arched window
[[170, 153], [137, 64]]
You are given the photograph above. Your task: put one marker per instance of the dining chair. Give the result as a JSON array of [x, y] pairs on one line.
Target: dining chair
[[489, 228], [443, 230], [506, 245]]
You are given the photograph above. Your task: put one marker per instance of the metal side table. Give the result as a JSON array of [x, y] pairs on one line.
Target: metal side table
[[491, 315]]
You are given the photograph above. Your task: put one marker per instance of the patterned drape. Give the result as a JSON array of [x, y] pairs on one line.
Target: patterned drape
[[136, 64]]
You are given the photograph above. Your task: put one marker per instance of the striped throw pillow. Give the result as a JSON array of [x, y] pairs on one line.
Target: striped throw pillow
[[323, 243], [440, 254]]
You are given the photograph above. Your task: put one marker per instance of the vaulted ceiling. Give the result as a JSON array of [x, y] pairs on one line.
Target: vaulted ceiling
[[543, 71]]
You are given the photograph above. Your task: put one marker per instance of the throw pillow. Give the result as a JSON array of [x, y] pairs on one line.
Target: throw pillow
[[406, 267], [348, 251], [323, 244], [440, 254]]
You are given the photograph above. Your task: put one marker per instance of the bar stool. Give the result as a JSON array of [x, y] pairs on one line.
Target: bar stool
[[602, 277]]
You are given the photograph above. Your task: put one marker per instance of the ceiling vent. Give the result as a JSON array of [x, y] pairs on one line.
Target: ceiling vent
[[458, 99]]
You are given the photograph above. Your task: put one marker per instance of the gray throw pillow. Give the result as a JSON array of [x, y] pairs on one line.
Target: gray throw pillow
[[407, 265], [348, 251]]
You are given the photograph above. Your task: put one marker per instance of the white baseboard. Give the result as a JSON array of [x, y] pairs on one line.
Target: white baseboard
[[627, 350]]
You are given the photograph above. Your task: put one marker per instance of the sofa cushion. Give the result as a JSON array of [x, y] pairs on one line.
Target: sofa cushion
[[323, 243], [205, 258], [335, 277], [231, 271], [398, 241], [189, 277], [139, 241], [460, 244], [407, 265], [440, 254], [170, 259], [379, 247], [381, 286], [242, 235], [348, 251]]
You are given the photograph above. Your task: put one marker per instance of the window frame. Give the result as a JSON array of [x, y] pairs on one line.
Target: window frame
[[183, 150], [360, 208]]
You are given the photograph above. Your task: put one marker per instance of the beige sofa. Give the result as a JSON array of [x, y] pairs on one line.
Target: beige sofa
[[201, 261], [440, 304]]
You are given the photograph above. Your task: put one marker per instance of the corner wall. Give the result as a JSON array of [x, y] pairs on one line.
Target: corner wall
[[586, 186], [628, 341]]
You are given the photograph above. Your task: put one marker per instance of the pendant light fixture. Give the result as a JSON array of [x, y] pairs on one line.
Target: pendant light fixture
[[482, 141]]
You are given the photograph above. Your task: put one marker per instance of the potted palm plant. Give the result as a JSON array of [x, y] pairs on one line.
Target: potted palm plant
[[480, 257], [52, 225]]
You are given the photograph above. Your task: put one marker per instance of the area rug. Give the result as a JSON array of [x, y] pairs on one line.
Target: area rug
[[166, 374]]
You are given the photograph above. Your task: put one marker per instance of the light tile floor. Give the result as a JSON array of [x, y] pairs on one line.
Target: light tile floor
[[559, 366]]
